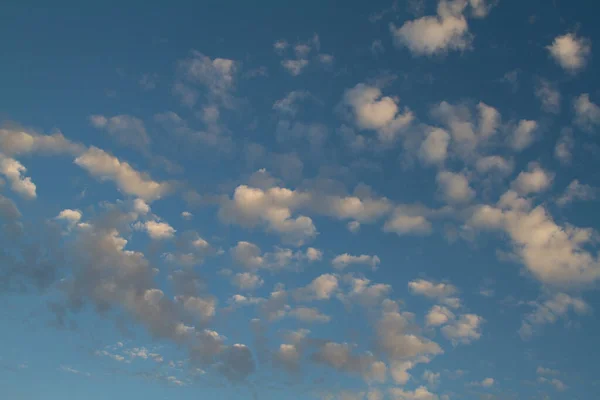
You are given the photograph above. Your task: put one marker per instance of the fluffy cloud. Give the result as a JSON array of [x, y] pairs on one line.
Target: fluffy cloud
[[523, 134], [107, 167], [272, 208], [438, 315], [250, 256], [217, 75], [454, 187], [19, 142], [434, 148], [570, 52], [420, 393], [14, 171], [465, 329], [576, 191], [125, 129], [534, 180], [587, 114], [247, 281], [344, 260], [548, 95], [371, 110], [448, 30], [444, 292], [408, 220], [554, 254], [549, 311], [340, 357], [158, 230], [321, 288]]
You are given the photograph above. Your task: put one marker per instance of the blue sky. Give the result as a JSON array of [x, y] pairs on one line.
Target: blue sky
[[307, 200]]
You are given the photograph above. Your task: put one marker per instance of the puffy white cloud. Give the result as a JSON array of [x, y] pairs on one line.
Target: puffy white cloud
[[125, 129], [294, 67], [14, 171], [497, 164], [247, 281], [361, 209], [344, 260], [289, 104], [18, 142], [420, 393], [187, 215], [454, 187], [408, 220], [438, 315], [371, 110], [289, 357], [272, 207], [548, 95], [523, 134], [570, 52], [487, 382], [587, 113], [549, 311], [308, 314], [576, 191], [429, 35], [465, 329], [107, 167], [554, 254], [313, 254], [321, 288], [72, 217], [467, 132], [158, 230], [363, 292], [431, 289], [340, 357], [534, 180], [434, 148], [250, 256], [217, 75]]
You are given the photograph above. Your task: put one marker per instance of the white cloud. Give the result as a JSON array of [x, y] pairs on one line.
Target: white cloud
[[465, 329], [247, 281], [548, 95], [307, 314], [18, 142], [294, 67], [431, 289], [548, 312], [353, 226], [556, 255], [454, 187], [272, 208], [289, 104], [570, 52], [429, 35], [251, 257], [534, 180], [523, 135], [158, 230], [107, 167], [344, 260], [218, 75], [408, 220], [438, 315], [13, 170], [497, 164], [72, 217], [434, 148], [420, 393], [487, 382], [313, 254], [125, 129], [587, 114], [321, 288], [576, 191], [187, 215], [371, 110]]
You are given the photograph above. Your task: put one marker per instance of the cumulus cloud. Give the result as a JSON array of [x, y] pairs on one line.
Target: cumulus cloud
[[576, 191], [549, 311], [14, 142], [340, 357], [125, 129], [438, 315], [429, 35], [548, 95], [250, 256], [534, 180], [107, 167], [465, 329], [321, 288], [14, 171], [454, 187], [342, 261], [271, 208], [444, 292], [587, 113], [523, 135], [570, 51], [373, 111], [420, 393], [247, 281], [408, 220], [554, 254], [434, 148]]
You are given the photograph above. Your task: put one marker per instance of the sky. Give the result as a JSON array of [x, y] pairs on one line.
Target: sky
[[299, 200]]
